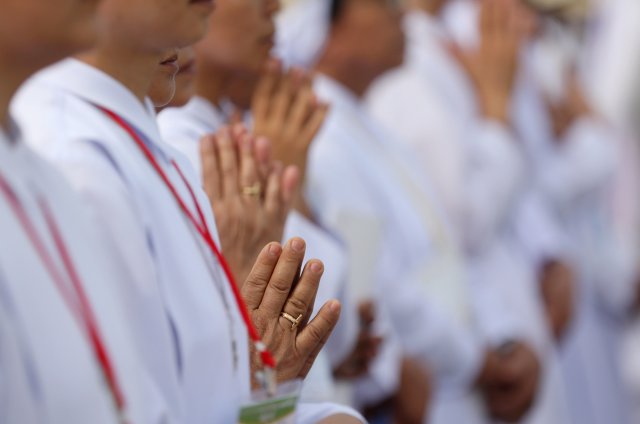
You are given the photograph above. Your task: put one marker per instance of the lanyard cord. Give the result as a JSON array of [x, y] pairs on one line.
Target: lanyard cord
[[267, 358], [75, 296]]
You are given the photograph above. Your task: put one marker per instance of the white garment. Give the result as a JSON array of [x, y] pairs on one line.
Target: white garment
[[140, 216], [303, 27], [575, 176], [48, 368], [610, 66], [479, 170], [358, 175], [183, 128], [612, 80]]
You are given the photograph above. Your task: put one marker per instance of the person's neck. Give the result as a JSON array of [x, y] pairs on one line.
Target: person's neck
[[210, 85], [340, 71], [12, 76], [134, 70]]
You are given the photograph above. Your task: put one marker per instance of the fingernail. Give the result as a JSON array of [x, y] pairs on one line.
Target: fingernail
[[316, 267], [334, 306], [274, 249], [297, 245]]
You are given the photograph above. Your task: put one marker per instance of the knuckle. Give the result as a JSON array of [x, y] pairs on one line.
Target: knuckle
[[260, 274], [228, 168], [258, 278], [296, 306], [261, 322], [280, 286], [316, 332]]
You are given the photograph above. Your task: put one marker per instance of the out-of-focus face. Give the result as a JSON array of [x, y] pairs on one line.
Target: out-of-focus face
[[46, 31], [173, 82], [185, 79], [241, 36], [163, 84], [372, 30], [156, 25]]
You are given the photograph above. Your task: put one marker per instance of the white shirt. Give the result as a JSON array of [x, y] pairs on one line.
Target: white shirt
[[48, 368], [194, 363]]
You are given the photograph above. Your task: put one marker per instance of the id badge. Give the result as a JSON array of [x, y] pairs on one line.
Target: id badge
[[279, 409]]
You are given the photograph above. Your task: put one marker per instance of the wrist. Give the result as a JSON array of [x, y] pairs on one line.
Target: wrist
[[496, 107]]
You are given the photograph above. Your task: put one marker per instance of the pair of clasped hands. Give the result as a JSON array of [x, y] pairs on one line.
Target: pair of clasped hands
[[252, 179]]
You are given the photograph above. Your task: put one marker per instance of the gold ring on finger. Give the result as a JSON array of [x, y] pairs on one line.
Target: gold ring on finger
[[294, 321], [253, 190]]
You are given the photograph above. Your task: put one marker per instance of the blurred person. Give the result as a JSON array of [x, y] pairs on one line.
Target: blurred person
[[610, 70], [384, 203], [235, 77], [576, 158], [151, 209], [67, 354], [243, 24], [451, 107]]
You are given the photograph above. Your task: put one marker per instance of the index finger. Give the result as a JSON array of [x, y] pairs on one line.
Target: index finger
[[228, 162], [256, 283], [283, 277], [210, 171]]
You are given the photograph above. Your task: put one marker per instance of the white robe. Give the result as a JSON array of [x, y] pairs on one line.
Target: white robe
[[612, 79], [479, 172], [141, 218], [48, 369], [362, 184], [609, 64], [575, 176]]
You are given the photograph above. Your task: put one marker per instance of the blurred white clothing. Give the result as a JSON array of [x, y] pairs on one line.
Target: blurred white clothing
[[49, 371], [479, 170], [358, 175]]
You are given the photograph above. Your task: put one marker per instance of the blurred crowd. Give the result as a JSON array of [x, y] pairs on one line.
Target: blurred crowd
[[466, 172]]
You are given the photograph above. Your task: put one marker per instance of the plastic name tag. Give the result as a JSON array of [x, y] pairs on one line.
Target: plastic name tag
[[279, 409]]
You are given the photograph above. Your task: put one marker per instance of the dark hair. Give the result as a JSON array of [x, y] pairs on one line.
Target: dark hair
[[337, 7]]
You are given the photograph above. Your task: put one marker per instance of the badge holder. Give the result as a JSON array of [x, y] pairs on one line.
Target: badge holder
[[272, 409]]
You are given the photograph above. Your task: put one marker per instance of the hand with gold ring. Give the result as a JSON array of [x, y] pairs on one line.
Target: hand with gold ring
[[252, 190], [250, 196], [294, 321], [280, 300]]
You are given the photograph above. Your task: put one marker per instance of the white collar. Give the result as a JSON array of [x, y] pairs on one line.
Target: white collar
[[205, 112], [420, 25], [95, 86], [337, 94]]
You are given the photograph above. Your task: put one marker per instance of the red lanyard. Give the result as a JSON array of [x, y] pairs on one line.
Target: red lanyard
[[203, 229], [74, 296]]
